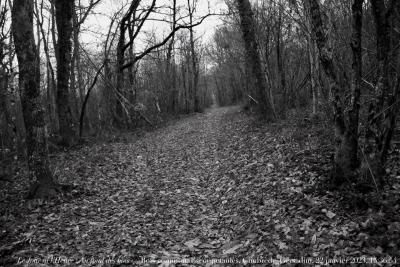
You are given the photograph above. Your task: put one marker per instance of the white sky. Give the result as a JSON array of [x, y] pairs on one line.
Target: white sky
[[96, 26]]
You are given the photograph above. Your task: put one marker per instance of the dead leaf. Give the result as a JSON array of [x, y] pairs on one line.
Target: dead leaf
[[193, 243], [232, 250]]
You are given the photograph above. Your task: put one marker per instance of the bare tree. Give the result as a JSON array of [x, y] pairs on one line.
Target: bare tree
[[279, 58], [171, 72], [6, 121], [51, 79], [80, 14], [383, 108], [33, 112], [122, 46], [314, 62], [346, 125], [252, 55], [64, 19], [194, 71]]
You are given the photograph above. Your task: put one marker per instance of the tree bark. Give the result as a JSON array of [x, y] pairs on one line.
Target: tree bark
[[314, 63], [75, 78], [194, 77], [121, 48], [5, 133], [382, 111], [42, 184], [351, 133], [85, 101], [51, 80], [171, 68], [64, 11], [120, 73], [281, 69], [346, 127], [252, 56]]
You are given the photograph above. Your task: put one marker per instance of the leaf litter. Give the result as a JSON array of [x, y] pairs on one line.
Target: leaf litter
[[211, 186]]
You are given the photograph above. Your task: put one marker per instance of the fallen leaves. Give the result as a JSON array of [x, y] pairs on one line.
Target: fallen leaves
[[329, 214], [193, 243], [214, 185], [231, 250]]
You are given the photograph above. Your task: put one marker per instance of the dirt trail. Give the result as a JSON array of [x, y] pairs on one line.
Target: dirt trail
[[212, 187]]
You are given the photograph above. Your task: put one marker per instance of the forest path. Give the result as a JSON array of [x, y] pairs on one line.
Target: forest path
[[173, 193], [183, 191], [197, 188], [212, 187]]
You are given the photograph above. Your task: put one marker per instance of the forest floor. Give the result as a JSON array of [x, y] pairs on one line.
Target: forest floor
[[215, 187]]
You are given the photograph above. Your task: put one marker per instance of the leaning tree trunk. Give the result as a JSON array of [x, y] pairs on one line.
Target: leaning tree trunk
[[64, 11], [33, 112], [252, 56], [346, 127]]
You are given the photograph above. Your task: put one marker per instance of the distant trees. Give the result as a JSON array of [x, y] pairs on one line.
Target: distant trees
[[131, 26], [318, 57], [63, 81], [325, 59], [229, 74], [280, 48]]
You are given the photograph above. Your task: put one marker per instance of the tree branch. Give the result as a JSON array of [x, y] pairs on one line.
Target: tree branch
[[172, 33]]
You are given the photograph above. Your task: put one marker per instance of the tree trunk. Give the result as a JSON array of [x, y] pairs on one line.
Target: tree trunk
[[252, 56], [382, 111], [314, 63], [346, 129], [121, 48], [194, 68], [86, 99], [6, 134], [281, 69], [346, 158], [76, 74], [51, 80], [42, 184], [314, 75], [351, 133], [64, 11], [118, 119], [171, 69]]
